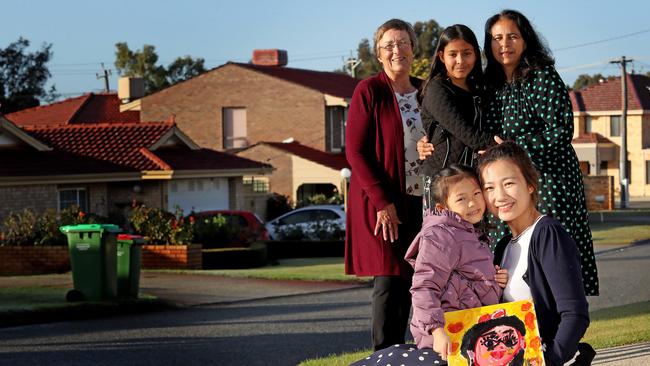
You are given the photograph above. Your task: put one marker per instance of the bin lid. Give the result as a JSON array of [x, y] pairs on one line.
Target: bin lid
[[131, 239], [90, 228]]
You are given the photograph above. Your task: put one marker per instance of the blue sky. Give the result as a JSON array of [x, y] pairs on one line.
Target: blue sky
[[317, 35]]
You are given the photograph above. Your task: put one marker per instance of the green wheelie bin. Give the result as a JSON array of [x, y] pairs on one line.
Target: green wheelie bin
[[93, 258], [129, 260]]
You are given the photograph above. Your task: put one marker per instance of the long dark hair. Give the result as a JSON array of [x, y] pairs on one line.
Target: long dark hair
[[536, 54], [438, 70]]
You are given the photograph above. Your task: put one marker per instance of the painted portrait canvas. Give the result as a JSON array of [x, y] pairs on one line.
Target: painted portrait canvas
[[497, 335]]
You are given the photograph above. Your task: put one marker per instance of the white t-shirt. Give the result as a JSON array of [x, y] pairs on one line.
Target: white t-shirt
[[413, 131], [515, 260]]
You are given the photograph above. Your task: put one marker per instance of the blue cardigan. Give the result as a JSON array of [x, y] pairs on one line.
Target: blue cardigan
[[555, 282]]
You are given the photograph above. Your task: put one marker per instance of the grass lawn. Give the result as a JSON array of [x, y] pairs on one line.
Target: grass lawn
[[610, 327], [619, 233], [32, 298], [306, 269]]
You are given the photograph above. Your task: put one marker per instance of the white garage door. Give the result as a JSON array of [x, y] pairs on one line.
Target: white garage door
[[198, 194]]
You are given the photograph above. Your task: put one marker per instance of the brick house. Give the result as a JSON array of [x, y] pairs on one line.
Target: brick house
[[81, 151], [597, 131], [301, 171], [236, 105]]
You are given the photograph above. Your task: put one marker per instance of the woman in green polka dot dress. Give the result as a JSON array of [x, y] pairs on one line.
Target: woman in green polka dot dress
[[531, 105]]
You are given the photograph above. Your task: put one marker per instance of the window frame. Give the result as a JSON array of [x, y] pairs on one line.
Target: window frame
[[83, 206], [341, 113], [611, 126], [231, 142]]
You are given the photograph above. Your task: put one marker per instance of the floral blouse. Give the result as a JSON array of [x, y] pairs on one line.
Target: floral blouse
[[413, 131]]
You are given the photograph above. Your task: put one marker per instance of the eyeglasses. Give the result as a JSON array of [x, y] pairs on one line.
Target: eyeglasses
[[400, 44]]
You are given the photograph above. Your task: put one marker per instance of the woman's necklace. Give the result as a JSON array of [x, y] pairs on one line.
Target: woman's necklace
[[516, 238]]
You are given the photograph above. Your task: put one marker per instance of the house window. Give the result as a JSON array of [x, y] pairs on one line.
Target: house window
[[234, 128], [588, 124], [615, 126], [258, 184], [73, 197], [335, 118], [603, 168], [647, 172]]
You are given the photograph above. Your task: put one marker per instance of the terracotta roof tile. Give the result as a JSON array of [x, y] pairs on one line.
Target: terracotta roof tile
[[590, 138], [119, 143], [606, 96], [335, 84], [88, 108], [333, 160]]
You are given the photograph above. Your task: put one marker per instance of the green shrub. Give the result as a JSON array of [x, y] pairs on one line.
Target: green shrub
[[30, 228], [162, 227], [215, 231]]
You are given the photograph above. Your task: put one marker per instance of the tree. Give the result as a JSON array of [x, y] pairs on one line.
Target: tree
[[585, 80], [142, 63], [427, 34], [23, 76]]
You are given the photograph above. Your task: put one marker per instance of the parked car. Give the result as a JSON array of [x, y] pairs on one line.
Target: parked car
[[319, 222], [239, 229]]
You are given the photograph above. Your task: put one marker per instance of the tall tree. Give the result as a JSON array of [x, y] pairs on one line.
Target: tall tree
[[585, 80], [428, 34], [23, 76], [142, 63]]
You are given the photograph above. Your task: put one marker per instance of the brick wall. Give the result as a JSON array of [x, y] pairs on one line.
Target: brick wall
[[275, 109], [36, 197], [31, 260], [172, 256], [281, 180], [599, 191]]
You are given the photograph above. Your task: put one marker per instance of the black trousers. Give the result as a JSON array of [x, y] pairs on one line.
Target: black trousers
[[391, 306], [391, 297]]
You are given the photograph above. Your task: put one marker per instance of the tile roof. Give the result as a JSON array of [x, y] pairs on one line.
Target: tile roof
[[118, 143], [591, 138], [606, 96], [333, 160], [88, 108], [332, 83], [127, 145]]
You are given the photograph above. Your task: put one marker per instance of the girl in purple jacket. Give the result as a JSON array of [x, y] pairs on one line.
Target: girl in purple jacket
[[453, 268]]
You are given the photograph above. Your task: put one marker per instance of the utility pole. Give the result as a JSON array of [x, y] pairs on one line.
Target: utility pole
[[104, 75], [623, 153], [353, 63]]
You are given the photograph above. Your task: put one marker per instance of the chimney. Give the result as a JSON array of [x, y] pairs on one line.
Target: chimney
[[273, 57], [129, 89]]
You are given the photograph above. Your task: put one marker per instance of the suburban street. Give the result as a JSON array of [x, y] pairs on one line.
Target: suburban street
[[282, 330]]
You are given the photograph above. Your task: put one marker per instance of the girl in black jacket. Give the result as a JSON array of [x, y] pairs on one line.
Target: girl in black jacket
[[451, 103]]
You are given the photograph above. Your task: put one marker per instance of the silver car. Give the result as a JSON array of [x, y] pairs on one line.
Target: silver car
[[320, 222]]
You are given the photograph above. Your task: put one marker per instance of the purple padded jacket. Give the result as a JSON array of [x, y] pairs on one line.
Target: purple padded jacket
[[453, 271]]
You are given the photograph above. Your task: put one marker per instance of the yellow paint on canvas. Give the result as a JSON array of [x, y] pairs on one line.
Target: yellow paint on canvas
[[457, 323]]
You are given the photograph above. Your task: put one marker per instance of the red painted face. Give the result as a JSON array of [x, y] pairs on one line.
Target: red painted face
[[498, 346]]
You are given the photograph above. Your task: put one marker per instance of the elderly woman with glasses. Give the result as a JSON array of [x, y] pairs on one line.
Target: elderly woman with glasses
[[385, 201]]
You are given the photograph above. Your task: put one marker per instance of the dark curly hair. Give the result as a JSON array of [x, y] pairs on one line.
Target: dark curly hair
[[536, 54]]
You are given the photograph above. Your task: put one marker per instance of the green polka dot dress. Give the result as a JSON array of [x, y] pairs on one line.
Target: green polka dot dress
[[537, 115]]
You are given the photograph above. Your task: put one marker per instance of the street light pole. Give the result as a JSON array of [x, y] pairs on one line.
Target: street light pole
[[345, 174], [623, 153]]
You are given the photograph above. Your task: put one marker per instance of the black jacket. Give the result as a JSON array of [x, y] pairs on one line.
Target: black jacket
[[452, 118], [555, 282]]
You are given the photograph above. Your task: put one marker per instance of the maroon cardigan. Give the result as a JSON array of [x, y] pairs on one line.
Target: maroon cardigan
[[374, 148]]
